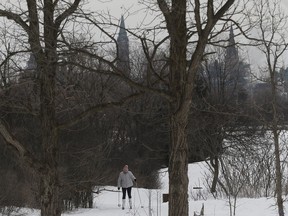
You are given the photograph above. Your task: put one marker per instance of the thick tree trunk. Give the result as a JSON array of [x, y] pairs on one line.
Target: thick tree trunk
[[44, 48], [178, 167], [178, 158], [49, 193], [49, 180], [49, 184]]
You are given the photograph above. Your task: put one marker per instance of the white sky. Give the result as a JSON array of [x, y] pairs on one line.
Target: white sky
[[285, 3], [129, 8]]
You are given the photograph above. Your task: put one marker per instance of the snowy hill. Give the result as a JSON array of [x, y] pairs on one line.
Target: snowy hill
[[106, 203]]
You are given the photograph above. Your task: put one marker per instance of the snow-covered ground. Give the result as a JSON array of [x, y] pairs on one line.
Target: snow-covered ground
[[106, 203]]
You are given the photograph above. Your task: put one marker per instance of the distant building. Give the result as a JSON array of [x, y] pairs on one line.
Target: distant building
[[233, 70], [123, 62], [231, 50], [31, 64], [30, 71]]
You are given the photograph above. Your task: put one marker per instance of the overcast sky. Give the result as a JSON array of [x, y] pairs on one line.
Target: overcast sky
[[285, 3], [133, 14], [131, 9]]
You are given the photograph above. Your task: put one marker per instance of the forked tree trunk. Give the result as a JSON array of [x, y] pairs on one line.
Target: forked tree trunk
[[49, 179], [182, 79]]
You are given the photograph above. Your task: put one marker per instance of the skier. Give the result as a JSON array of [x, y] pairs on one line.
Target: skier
[[125, 180]]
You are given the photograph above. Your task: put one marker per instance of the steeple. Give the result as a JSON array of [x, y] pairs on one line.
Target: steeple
[[231, 51], [231, 58], [123, 49], [122, 31], [235, 70]]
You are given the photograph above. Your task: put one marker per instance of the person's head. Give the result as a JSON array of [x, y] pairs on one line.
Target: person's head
[[125, 168]]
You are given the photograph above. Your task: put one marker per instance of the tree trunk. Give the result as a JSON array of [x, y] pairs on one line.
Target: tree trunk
[[46, 64], [49, 180], [278, 171], [49, 194], [275, 131], [178, 167], [278, 174], [182, 79], [178, 158]]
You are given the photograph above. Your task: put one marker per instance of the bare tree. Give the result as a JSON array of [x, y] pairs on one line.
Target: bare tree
[[45, 52], [181, 83], [40, 25], [271, 26]]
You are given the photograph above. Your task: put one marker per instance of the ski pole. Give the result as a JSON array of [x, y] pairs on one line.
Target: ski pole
[[139, 196], [119, 205]]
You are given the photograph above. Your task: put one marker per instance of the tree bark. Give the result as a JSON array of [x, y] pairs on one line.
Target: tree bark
[[178, 166], [49, 180], [279, 189], [275, 131], [178, 158], [49, 193]]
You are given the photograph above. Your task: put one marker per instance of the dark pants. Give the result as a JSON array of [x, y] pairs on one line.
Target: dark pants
[[128, 191]]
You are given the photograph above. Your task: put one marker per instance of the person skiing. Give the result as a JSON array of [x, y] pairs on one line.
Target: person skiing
[[125, 180]]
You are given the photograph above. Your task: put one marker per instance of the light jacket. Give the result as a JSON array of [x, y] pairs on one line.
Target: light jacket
[[125, 179]]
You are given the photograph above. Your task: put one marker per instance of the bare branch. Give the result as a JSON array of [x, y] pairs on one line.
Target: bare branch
[[66, 13], [20, 149], [223, 10], [98, 108], [198, 18], [165, 10], [34, 26], [16, 18]]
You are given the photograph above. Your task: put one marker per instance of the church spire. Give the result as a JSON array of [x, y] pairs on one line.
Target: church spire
[[122, 31], [231, 51], [123, 49]]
